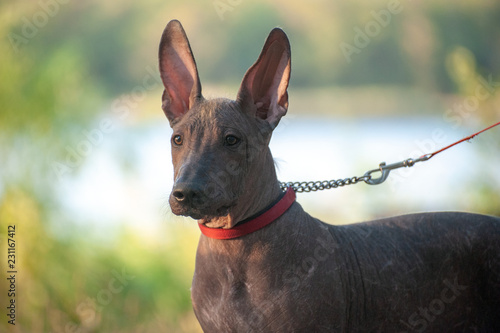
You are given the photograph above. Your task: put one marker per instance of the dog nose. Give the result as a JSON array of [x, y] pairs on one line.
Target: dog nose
[[184, 193], [179, 195]]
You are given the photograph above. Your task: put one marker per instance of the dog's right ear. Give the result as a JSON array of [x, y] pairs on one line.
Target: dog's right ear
[[178, 72]]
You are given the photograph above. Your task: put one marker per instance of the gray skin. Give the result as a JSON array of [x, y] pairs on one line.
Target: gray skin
[[432, 272]]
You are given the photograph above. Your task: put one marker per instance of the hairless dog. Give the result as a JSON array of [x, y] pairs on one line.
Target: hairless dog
[[264, 265]]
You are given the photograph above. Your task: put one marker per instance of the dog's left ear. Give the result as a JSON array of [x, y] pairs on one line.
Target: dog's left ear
[[263, 90]]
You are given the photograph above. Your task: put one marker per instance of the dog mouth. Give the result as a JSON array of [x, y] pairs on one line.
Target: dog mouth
[[208, 216], [203, 214]]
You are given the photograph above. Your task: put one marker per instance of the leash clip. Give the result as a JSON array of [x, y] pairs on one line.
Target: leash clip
[[386, 169]]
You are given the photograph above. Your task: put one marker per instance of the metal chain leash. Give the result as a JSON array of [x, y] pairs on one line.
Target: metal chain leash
[[383, 168], [312, 186]]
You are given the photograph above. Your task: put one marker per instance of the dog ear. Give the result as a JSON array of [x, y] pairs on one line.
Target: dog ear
[[263, 90], [178, 72]]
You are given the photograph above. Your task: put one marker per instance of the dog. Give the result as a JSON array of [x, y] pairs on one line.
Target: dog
[[264, 265]]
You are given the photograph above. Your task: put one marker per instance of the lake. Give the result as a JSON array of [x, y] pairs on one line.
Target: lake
[[128, 177]]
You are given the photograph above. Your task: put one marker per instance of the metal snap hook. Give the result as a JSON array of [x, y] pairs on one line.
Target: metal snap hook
[[384, 174]]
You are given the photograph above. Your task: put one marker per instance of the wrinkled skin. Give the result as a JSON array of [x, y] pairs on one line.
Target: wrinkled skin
[[432, 272]]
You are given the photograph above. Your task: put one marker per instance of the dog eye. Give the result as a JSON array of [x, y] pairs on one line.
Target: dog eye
[[177, 139], [231, 140]]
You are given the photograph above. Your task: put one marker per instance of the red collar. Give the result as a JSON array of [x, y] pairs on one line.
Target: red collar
[[259, 222]]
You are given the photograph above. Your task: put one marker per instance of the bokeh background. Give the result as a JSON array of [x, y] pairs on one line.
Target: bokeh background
[[85, 169]]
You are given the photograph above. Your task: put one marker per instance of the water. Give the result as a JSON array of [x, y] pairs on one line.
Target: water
[[109, 195]]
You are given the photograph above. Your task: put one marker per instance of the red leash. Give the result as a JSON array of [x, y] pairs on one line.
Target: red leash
[[386, 169], [460, 141]]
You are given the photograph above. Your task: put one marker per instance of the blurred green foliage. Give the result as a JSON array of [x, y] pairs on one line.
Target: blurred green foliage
[[80, 285], [63, 61]]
